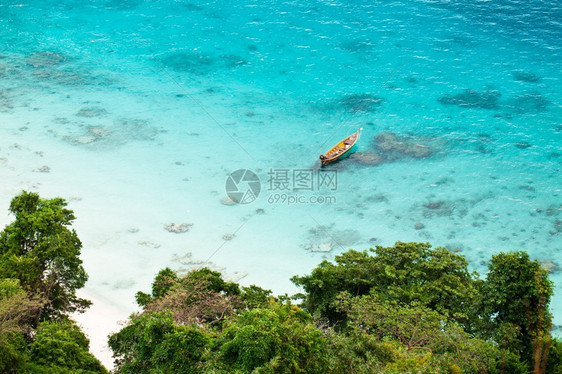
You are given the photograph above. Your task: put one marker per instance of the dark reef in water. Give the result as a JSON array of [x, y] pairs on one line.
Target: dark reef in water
[[360, 103], [392, 147], [487, 99], [193, 63], [200, 64], [367, 158], [356, 46], [193, 7], [523, 145], [388, 147], [92, 111], [232, 61], [530, 102], [5, 101], [525, 76], [556, 227], [45, 59], [123, 130]]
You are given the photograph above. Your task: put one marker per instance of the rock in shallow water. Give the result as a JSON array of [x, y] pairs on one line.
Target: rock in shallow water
[[523, 145], [44, 59], [388, 142], [322, 247], [84, 139], [90, 112], [227, 201], [360, 103], [228, 236], [367, 158], [178, 228], [525, 76], [550, 266], [418, 151], [43, 169], [149, 244], [391, 147]]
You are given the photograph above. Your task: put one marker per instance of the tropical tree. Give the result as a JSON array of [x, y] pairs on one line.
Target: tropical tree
[[17, 310], [416, 327], [201, 296], [40, 250], [60, 347], [516, 296], [153, 342], [407, 272], [278, 339]]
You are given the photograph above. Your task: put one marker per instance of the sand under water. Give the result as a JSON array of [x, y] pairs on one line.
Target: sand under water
[[136, 112]]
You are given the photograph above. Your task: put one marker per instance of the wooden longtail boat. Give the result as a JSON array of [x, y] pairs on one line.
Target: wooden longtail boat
[[341, 148]]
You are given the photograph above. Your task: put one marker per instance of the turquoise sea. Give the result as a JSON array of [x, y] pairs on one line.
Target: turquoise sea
[[137, 112]]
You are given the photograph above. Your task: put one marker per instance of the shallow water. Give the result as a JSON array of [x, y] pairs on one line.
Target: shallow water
[[137, 111]]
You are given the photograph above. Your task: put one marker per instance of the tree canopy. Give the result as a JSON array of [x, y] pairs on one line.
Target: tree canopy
[[516, 296], [43, 253], [40, 271], [408, 308], [402, 309], [406, 272]]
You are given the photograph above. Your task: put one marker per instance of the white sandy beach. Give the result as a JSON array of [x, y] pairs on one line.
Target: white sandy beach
[[102, 319]]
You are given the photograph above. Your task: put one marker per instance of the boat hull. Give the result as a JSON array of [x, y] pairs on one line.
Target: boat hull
[[340, 149]]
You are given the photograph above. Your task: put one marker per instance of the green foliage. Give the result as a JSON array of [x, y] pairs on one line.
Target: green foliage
[[406, 272], [353, 273], [280, 339], [13, 353], [554, 365], [153, 343], [214, 281], [41, 252], [516, 296], [163, 282], [60, 347], [17, 311], [40, 271], [416, 327], [357, 352], [256, 297], [403, 309], [201, 296]]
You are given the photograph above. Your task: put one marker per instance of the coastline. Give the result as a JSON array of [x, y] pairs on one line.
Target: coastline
[[99, 321]]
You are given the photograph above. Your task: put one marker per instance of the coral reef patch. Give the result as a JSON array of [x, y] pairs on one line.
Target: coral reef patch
[[550, 266], [356, 46], [525, 76], [392, 147], [487, 99], [323, 238], [367, 158], [92, 111], [201, 64], [178, 228], [360, 103], [44, 59], [530, 102], [123, 131]]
